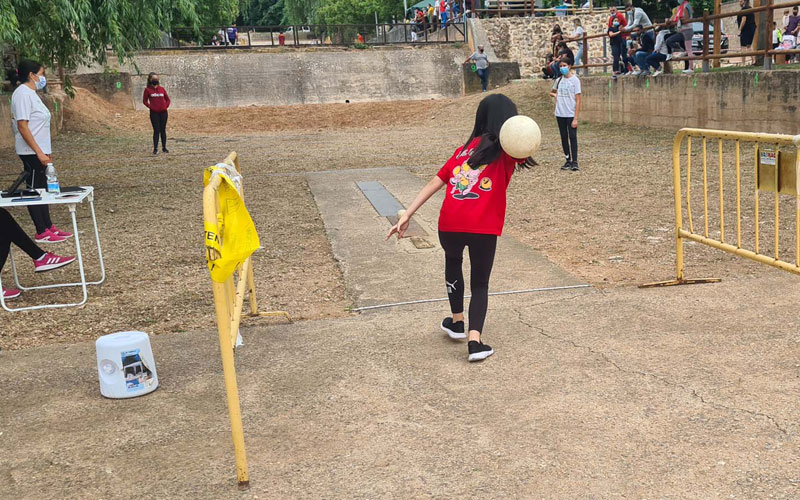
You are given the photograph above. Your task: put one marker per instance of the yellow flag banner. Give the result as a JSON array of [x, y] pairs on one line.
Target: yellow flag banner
[[234, 237]]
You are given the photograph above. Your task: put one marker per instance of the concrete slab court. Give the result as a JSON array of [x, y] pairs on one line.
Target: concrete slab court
[[670, 393], [378, 271]]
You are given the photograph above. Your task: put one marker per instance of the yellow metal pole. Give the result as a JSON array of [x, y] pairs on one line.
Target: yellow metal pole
[[705, 185], [721, 198], [689, 182], [738, 200], [676, 187], [797, 208], [222, 305], [756, 215], [777, 206], [764, 259], [231, 387]]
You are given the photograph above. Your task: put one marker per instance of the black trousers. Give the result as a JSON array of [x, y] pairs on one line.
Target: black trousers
[[41, 213], [159, 122], [616, 56], [676, 43], [10, 232], [481, 258], [569, 138]]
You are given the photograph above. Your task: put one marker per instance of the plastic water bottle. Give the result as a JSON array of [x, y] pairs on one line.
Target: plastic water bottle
[[52, 179]]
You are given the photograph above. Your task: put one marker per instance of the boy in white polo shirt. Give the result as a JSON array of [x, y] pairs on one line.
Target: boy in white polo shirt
[[567, 91]]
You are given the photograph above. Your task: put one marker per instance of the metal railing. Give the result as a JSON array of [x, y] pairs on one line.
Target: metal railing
[[711, 52], [775, 169], [244, 37], [510, 8]]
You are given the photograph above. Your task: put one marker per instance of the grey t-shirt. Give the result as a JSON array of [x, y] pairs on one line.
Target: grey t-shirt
[[481, 59], [26, 105]]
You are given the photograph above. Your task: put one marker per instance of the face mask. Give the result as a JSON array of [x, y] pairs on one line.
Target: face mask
[[615, 24], [564, 70], [154, 83], [41, 82]]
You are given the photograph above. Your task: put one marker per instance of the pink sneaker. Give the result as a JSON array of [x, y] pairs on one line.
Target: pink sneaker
[[51, 261], [10, 294], [49, 236], [58, 232]]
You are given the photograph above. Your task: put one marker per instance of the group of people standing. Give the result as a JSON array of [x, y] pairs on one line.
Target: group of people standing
[[438, 15]]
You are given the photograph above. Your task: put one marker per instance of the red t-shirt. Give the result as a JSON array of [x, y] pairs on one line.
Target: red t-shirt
[[156, 98], [475, 199]]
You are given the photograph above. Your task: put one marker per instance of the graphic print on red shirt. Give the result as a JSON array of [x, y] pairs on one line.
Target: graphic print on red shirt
[[156, 98], [475, 198]]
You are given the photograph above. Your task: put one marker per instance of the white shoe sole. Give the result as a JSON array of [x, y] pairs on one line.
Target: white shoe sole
[[50, 267], [49, 241], [9, 297], [453, 335], [478, 356]]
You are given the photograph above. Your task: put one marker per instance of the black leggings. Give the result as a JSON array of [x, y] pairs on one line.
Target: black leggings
[[481, 258], [569, 138], [676, 43], [159, 122], [39, 213], [10, 232]]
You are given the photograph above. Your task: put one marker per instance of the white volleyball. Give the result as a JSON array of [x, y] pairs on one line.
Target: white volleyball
[[520, 137]]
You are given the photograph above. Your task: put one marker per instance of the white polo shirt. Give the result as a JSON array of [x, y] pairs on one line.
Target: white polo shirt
[[26, 105]]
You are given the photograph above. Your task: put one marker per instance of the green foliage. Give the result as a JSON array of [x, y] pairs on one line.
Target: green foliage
[[67, 33], [265, 13]]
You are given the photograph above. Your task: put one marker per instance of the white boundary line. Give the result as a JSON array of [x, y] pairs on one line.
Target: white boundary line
[[425, 301]]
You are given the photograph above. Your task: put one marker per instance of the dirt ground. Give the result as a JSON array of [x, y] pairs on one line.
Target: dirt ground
[[611, 224]]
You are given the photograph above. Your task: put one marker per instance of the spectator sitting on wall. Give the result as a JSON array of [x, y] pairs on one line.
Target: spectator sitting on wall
[[431, 21], [564, 52], [436, 14], [360, 38], [646, 47], [214, 40], [660, 51], [683, 38], [547, 71], [281, 39], [556, 36]]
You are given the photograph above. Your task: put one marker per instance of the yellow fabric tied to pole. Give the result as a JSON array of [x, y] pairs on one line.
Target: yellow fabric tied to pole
[[234, 237]]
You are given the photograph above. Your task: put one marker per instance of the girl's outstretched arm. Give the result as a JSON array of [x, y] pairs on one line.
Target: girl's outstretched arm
[[430, 188]]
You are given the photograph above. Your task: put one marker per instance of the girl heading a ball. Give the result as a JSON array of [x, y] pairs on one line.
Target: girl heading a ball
[[473, 213]]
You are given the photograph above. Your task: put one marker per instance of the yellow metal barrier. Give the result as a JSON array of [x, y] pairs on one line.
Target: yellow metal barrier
[[776, 169], [228, 302]]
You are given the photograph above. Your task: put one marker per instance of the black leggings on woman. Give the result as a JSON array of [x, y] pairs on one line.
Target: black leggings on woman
[[39, 213], [159, 122], [569, 138], [10, 232], [481, 257]]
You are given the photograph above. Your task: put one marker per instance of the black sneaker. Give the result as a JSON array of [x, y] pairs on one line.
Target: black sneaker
[[165, 150], [453, 329], [155, 152], [479, 351], [574, 166], [567, 165]]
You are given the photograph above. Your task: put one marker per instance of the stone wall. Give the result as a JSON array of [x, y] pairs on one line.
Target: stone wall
[[526, 40], [729, 101], [214, 78]]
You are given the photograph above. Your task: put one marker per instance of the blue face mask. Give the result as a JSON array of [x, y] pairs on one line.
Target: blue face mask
[[564, 70], [41, 82]]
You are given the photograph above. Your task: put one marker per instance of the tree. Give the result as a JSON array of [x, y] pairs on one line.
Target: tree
[[265, 13], [67, 33]]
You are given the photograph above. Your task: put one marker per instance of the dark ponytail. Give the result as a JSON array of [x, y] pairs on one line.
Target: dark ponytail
[[25, 68], [493, 111]]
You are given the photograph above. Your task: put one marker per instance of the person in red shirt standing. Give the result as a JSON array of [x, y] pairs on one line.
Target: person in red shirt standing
[[472, 215], [156, 99]]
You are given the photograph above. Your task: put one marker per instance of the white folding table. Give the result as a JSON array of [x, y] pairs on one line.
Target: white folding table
[[71, 200]]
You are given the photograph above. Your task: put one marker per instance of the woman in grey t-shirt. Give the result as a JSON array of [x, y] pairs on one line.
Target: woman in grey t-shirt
[[482, 66]]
